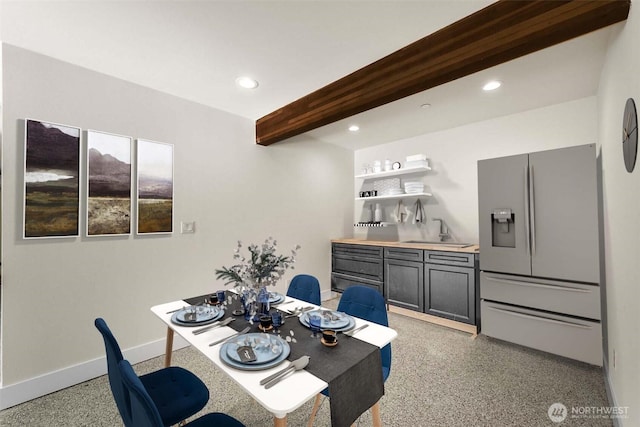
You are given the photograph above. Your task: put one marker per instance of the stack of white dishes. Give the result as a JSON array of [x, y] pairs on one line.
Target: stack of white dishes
[[417, 161], [413, 187], [388, 187], [392, 192]]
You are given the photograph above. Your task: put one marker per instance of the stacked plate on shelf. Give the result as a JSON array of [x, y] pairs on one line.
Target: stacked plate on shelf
[[417, 161], [412, 187], [388, 187], [392, 192]]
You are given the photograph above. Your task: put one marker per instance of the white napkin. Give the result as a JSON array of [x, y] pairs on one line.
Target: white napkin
[[401, 213], [420, 214]]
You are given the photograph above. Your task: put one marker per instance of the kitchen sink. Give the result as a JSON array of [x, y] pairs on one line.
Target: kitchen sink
[[445, 244]]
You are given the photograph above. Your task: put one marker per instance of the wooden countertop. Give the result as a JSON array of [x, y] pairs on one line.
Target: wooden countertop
[[432, 247]]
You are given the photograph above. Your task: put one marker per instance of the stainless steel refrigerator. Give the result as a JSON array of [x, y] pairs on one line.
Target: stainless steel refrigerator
[[539, 251]]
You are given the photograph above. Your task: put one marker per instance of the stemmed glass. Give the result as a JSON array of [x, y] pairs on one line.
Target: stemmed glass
[[315, 322], [276, 319]]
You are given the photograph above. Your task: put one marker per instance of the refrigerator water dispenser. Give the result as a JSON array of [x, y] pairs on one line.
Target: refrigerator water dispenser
[[502, 228]]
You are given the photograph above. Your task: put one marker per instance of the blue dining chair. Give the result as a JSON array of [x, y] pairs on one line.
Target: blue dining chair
[[144, 412], [177, 392], [305, 287], [368, 304]]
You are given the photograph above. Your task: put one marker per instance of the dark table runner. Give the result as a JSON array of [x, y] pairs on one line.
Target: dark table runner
[[353, 368]]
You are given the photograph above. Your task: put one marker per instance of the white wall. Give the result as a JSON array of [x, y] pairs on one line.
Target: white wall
[[53, 289], [621, 191], [453, 156]]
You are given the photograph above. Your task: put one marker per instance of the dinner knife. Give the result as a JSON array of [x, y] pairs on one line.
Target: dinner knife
[[224, 322], [354, 331], [244, 331]]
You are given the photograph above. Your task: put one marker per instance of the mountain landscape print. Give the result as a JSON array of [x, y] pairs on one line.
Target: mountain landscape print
[[155, 187], [109, 184], [51, 180]]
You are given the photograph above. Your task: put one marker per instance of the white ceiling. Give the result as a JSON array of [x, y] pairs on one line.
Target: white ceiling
[[196, 49]]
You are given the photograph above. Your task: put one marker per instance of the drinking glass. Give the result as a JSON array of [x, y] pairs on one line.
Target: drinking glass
[[276, 319], [221, 296], [315, 322]]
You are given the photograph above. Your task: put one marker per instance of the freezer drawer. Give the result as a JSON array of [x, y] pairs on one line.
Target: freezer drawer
[[561, 335], [575, 299]]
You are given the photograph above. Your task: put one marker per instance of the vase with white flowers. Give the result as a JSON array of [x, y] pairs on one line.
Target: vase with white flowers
[[252, 274]]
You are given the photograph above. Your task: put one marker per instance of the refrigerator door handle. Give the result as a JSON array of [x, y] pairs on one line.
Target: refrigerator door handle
[[532, 214], [526, 209]]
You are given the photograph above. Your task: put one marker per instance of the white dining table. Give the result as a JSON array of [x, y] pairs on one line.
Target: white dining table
[[287, 395]]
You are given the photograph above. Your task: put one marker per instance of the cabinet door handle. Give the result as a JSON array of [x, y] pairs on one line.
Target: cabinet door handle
[[449, 258], [538, 285], [539, 318]]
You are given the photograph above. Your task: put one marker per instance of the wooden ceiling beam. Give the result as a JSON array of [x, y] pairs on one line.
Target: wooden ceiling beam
[[503, 31]]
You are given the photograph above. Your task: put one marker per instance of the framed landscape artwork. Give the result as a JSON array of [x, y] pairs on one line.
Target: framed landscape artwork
[[155, 187], [108, 184], [51, 180]]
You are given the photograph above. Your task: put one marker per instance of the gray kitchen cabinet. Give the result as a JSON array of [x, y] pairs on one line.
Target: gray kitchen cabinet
[[356, 265], [450, 285], [440, 283], [404, 278]]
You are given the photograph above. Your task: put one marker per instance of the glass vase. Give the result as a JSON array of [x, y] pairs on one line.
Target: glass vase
[[263, 301]]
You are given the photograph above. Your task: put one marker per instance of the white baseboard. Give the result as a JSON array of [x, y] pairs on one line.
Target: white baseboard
[[21, 392], [327, 295], [617, 422]]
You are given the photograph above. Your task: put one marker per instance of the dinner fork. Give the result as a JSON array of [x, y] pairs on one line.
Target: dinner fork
[[244, 331]]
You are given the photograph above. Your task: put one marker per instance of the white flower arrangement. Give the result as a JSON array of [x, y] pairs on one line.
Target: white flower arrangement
[[262, 268]]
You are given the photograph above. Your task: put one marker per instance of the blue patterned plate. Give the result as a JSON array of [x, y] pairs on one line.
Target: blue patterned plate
[[216, 313], [224, 356], [344, 322], [275, 298], [263, 346]]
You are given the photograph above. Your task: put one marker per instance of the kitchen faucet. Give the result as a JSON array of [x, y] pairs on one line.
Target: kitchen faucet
[[444, 232]]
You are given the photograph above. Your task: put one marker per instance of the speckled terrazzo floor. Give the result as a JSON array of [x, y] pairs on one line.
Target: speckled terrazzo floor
[[439, 377]]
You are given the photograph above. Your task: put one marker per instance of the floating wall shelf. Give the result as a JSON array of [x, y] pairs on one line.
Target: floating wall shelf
[[387, 174]]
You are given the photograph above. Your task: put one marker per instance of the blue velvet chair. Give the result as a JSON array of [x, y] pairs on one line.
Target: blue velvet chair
[[305, 287], [176, 392], [368, 304], [144, 412]]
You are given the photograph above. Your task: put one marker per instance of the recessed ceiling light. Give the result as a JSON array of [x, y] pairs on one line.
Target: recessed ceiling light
[[354, 128], [247, 82], [492, 85], [426, 105]]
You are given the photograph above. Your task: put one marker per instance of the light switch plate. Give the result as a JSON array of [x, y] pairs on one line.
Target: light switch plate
[[187, 227]]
